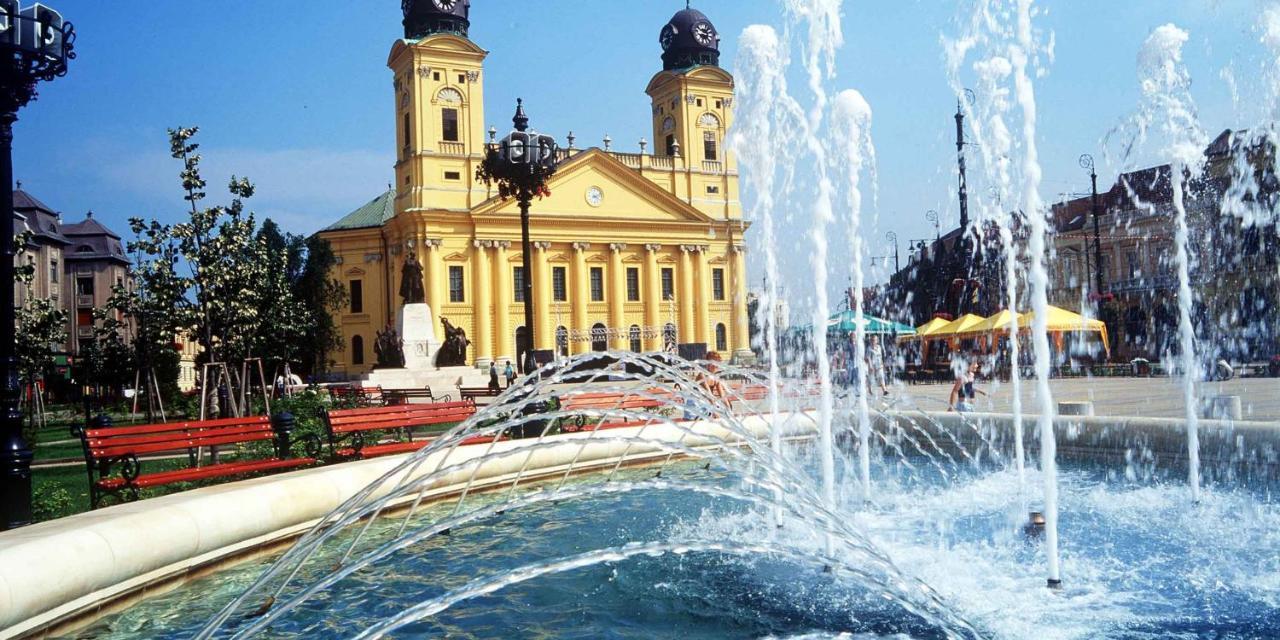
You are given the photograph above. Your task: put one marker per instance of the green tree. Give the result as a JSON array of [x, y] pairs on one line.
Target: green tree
[[323, 296], [154, 308], [283, 320], [41, 324], [218, 245]]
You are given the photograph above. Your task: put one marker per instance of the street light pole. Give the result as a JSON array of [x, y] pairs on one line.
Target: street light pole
[[1086, 162], [520, 164], [526, 249], [35, 45], [893, 237]]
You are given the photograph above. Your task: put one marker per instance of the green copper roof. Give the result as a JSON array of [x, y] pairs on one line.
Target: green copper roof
[[373, 214]]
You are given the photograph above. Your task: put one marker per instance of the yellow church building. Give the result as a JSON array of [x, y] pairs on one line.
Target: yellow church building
[[631, 251]]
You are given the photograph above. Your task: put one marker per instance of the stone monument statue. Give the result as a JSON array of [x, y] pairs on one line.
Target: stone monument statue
[[411, 289], [388, 349], [453, 353]]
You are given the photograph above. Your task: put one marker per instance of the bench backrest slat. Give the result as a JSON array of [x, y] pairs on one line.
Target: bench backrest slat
[[167, 427], [399, 408], [113, 442]]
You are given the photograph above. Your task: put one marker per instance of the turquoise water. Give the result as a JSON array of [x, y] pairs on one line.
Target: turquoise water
[[1139, 561]]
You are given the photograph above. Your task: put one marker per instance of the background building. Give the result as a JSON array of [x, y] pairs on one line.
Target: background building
[[95, 263], [45, 247], [75, 266], [1235, 286], [633, 251]]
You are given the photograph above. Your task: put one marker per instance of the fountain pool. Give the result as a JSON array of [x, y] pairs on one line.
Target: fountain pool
[[1141, 563]]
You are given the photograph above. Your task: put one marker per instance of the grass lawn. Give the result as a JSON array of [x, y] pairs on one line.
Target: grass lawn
[[62, 491]]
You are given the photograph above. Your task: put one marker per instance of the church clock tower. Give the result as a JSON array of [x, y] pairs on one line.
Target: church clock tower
[[439, 107], [692, 97]]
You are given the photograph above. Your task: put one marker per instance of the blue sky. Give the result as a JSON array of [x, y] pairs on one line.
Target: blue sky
[[296, 95]]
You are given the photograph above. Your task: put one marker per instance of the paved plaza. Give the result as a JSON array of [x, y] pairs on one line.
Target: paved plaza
[[1150, 397]]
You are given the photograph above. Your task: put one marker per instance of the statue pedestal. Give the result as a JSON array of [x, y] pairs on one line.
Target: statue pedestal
[[418, 332]]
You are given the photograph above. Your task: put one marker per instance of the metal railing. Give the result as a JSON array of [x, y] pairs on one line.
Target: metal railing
[[1145, 283]]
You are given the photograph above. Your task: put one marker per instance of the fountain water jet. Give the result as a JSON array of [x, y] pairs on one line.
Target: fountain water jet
[[1034, 206], [852, 124]]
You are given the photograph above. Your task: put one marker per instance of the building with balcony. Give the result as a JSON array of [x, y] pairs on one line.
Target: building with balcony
[[631, 251], [1233, 256], [95, 264], [44, 248]]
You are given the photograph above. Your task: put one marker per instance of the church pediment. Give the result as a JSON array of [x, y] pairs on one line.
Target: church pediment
[[632, 259], [595, 186], [559, 257], [456, 257], [597, 258]]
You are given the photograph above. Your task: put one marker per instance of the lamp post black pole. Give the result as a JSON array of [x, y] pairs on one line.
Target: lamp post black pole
[[35, 44], [15, 455], [527, 250], [1097, 235], [1086, 162], [893, 237], [520, 165]]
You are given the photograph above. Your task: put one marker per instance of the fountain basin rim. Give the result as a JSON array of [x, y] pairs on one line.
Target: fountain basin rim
[[61, 575]]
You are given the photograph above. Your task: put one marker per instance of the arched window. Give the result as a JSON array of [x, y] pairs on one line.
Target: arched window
[[357, 350], [562, 342], [722, 339], [599, 337], [670, 338], [636, 345]]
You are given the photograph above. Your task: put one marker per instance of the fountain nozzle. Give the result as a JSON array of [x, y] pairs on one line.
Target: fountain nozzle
[[1054, 583], [1035, 525]]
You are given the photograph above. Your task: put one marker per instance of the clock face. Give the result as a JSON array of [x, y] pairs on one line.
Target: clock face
[[703, 33], [667, 37], [445, 5], [595, 196]]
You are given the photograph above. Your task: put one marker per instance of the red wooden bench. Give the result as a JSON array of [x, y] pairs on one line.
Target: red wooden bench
[[605, 401], [471, 393], [115, 456], [356, 396], [405, 396], [354, 433]]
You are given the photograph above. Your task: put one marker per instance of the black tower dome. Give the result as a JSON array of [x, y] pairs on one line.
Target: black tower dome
[[425, 17], [689, 40]]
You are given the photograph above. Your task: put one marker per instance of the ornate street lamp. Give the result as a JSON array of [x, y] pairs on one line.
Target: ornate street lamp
[[893, 237], [1086, 163], [35, 45], [520, 165]]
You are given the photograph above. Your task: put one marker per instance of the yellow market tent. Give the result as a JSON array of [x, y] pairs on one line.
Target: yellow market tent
[[1000, 322], [925, 330], [960, 326], [1060, 321], [954, 331]]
